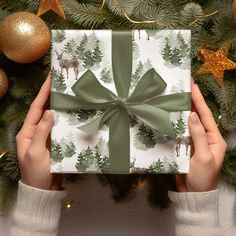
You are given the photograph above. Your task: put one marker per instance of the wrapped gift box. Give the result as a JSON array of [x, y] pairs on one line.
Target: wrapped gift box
[[121, 101]]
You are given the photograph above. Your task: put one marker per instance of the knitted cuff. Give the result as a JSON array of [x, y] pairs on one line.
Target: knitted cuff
[[37, 211], [196, 213]]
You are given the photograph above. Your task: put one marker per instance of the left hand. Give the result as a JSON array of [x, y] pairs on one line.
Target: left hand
[[32, 149]]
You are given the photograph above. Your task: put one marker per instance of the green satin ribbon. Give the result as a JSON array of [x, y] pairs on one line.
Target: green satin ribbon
[[145, 102]]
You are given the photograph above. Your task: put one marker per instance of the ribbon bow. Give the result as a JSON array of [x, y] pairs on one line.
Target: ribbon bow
[[144, 102]]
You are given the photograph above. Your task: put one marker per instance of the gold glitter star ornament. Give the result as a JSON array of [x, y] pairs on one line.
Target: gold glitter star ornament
[[216, 63], [54, 5]]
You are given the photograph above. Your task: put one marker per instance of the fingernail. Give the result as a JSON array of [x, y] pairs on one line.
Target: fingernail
[[194, 118], [46, 115]]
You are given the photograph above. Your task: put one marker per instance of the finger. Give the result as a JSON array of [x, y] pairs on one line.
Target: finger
[[37, 107], [198, 135], [192, 81], [42, 131], [203, 111]]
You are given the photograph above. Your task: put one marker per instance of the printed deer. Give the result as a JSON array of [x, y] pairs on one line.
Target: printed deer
[[181, 140], [67, 64]]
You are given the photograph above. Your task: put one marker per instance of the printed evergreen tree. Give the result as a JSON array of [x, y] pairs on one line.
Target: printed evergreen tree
[[176, 58], [85, 114], [70, 47], [85, 159], [102, 162], [137, 74], [146, 136], [136, 51], [63, 143], [151, 33], [184, 48], [97, 152], [81, 47], [97, 53], [103, 147], [133, 120], [147, 65], [132, 163], [53, 74], [58, 81], [105, 75], [160, 138], [88, 60], [179, 125], [92, 40], [81, 164], [134, 44], [167, 51], [70, 149], [89, 152], [60, 85], [156, 167], [56, 151], [174, 89], [179, 88], [59, 36], [173, 167]]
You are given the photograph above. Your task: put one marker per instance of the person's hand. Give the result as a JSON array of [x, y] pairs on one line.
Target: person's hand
[[32, 151], [209, 149]]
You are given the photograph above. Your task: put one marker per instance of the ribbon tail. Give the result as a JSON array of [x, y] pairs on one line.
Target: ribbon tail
[[172, 102], [155, 117], [94, 125], [119, 143]]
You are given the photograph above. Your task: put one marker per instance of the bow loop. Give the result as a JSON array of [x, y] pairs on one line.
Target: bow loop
[[88, 88], [150, 85]]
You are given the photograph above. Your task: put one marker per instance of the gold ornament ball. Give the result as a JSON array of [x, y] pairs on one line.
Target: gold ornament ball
[[3, 83], [24, 37]]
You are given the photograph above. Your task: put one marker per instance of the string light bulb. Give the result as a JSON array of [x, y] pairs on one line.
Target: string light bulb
[[69, 204], [142, 183]]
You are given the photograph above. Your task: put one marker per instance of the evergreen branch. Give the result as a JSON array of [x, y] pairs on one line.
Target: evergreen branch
[[13, 6], [204, 16], [119, 8], [228, 171], [3, 14], [90, 16], [2, 136], [8, 190], [34, 4], [13, 112]]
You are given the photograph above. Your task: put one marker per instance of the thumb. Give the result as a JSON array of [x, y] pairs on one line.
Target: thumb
[[198, 135], [43, 129]]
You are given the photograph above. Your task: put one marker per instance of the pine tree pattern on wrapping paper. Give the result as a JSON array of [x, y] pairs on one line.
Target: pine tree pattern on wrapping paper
[[92, 50], [176, 50]]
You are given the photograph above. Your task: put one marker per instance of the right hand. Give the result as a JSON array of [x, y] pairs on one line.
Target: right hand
[[209, 149], [32, 149]]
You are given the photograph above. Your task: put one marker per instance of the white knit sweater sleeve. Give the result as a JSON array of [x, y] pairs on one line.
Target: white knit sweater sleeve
[[196, 213], [37, 212]]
